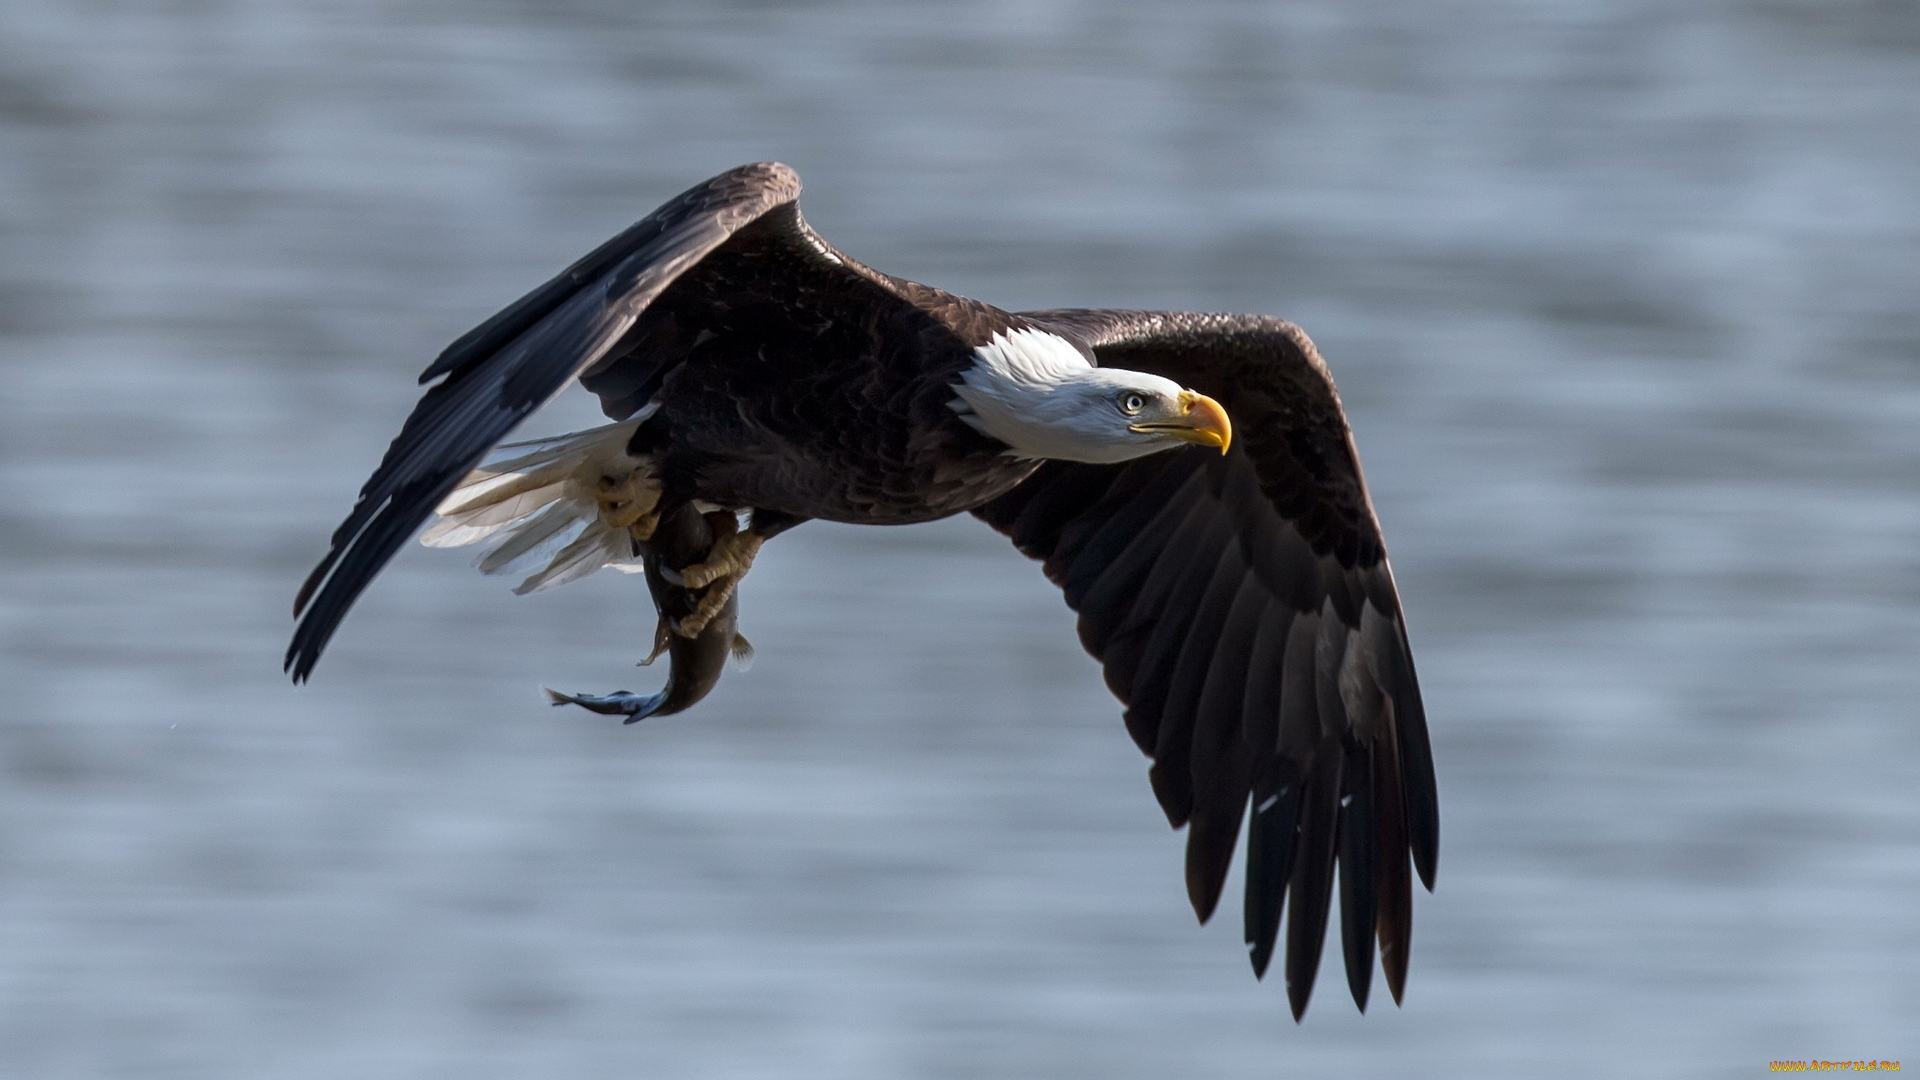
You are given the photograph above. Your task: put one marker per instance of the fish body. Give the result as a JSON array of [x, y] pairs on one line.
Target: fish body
[[683, 537]]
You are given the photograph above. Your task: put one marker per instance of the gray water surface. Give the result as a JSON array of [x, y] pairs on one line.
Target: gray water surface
[[1622, 299]]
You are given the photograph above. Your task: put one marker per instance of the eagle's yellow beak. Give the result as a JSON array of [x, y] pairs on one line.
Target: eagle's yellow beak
[[1201, 420]]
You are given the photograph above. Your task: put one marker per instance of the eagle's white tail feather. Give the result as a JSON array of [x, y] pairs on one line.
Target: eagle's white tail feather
[[479, 489], [539, 511], [463, 527], [598, 545], [553, 520]]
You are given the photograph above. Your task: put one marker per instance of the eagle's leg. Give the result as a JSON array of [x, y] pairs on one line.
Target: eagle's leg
[[719, 573], [711, 604], [726, 563], [731, 557], [629, 498]]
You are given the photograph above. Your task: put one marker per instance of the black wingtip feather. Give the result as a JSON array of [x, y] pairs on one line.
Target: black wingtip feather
[[353, 569], [1174, 779], [1161, 666], [1358, 896], [1312, 877], [1222, 767], [1394, 882], [1271, 841], [1415, 765]]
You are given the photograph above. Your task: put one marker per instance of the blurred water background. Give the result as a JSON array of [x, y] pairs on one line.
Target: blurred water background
[[1620, 294]]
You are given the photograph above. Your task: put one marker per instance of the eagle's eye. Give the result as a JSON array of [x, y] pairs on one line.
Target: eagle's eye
[[1133, 403]]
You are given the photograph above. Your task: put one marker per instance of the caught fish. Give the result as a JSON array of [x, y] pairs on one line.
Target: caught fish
[[683, 537]]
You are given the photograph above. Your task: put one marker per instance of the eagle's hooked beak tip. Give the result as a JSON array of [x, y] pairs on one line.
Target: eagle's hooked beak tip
[[1203, 421]]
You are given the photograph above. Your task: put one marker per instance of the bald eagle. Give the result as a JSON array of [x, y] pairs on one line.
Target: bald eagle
[[1187, 480]]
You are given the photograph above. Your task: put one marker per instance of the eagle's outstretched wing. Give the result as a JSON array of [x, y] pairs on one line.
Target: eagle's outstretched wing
[[510, 365], [729, 257], [1245, 614]]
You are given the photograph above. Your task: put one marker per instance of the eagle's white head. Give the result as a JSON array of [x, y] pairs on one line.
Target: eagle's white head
[[1038, 394]]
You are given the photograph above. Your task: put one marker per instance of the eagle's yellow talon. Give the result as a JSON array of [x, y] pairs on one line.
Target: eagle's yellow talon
[[714, 602], [731, 557], [720, 573]]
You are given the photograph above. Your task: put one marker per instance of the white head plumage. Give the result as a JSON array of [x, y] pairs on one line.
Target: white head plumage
[[1041, 396]]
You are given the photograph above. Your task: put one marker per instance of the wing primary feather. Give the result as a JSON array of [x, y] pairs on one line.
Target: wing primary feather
[[1221, 764], [1299, 695], [1172, 773], [1320, 816], [1260, 714], [1161, 657], [323, 617], [1395, 883], [1358, 881], [1298, 739], [1312, 885], [1416, 771], [1272, 838], [394, 477], [1391, 661]]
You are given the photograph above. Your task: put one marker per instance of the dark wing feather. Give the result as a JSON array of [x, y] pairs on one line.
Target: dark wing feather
[[1244, 613], [501, 371]]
